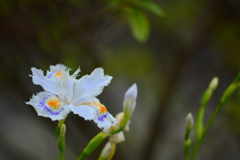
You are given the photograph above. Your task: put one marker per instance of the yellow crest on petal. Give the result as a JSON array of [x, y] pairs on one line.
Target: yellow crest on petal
[[101, 107], [54, 102], [60, 75]]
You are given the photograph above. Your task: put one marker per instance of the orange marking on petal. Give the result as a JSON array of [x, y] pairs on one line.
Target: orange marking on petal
[[59, 74], [103, 109], [100, 107], [54, 103]]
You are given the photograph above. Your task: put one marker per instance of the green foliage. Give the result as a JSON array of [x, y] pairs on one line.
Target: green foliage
[[138, 23], [202, 129], [152, 7], [134, 12]]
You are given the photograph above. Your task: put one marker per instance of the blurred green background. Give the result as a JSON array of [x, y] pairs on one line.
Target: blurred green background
[[170, 48]]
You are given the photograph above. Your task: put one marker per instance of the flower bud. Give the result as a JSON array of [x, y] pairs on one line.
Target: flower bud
[[108, 151], [209, 91], [229, 91], [63, 130], [214, 83], [127, 128], [117, 138], [189, 122], [189, 126], [61, 138], [129, 102], [119, 117], [60, 123]]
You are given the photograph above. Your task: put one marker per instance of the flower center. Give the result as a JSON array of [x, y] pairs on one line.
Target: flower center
[[59, 74], [54, 103]]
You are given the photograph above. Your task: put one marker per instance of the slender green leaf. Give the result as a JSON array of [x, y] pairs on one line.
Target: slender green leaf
[[139, 24], [152, 7]]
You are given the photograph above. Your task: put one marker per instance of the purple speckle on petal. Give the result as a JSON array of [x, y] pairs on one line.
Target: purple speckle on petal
[[101, 118], [49, 75]]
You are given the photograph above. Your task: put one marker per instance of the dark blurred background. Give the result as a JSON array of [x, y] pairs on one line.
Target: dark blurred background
[[170, 57]]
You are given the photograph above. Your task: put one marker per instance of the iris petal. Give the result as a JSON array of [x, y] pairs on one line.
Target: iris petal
[[97, 112], [90, 86], [48, 84], [88, 113], [49, 105]]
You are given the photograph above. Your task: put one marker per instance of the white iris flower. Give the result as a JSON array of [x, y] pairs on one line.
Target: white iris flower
[[64, 93]]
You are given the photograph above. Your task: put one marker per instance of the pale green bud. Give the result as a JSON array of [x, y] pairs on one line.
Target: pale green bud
[[189, 125], [117, 138], [60, 123], [189, 122], [229, 91], [63, 130], [127, 128], [61, 138], [120, 117], [209, 91], [214, 83], [129, 102], [108, 151], [205, 99]]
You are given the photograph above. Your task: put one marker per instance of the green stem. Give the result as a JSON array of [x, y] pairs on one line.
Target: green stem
[[121, 128], [93, 144], [117, 130], [215, 113], [226, 95], [195, 150], [199, 140], [199, 123], [60, 155], [82, 156], [97, 140], [187, 146], [60, 131]]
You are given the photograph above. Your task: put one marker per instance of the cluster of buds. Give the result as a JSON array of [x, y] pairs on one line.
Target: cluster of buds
[[115, 133], [123, 121]]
